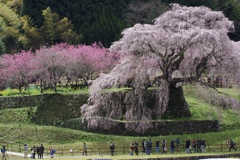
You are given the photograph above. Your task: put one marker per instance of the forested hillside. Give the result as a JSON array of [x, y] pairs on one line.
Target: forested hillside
[[97, 20], [29, 24]]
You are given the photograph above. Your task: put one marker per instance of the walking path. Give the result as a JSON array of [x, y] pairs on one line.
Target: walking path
[[21, 154], [143, 157], [80, 157]]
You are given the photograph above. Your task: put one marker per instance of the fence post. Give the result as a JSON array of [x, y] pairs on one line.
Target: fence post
[[19, 148]]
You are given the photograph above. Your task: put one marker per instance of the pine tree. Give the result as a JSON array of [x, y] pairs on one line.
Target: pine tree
[[48, 29]]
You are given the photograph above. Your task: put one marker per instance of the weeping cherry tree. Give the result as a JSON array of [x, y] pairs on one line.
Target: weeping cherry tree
[[157, 59]]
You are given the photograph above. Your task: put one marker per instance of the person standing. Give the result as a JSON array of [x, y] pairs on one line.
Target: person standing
[[232, 144], [38, 151], [3, 151], [131, 148], [25, 150], [194, 145], [157, 146], [164, 147], [136, 147], [198, 145], [41, 151], [143, 146], [172, 146], [188, 143], [112, 147], [84, 149], [149, 146], [203, 145]]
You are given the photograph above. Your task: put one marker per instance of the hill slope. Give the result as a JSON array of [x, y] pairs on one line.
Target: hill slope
[[18, 129]]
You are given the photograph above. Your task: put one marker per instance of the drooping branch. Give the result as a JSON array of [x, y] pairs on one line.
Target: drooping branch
[[178, 47]]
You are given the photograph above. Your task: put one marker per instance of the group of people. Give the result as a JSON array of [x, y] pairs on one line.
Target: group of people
[[198, 145], [133, 148], [147, 146], [39, 150]]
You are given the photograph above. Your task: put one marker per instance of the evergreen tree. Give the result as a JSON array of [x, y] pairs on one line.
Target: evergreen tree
[[48, 29], [65, 33], [106, 29], [10, 22], [31, 38], [2, 47], [84, 15]]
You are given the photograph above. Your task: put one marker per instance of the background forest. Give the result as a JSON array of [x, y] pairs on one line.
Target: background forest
[[29, 24]]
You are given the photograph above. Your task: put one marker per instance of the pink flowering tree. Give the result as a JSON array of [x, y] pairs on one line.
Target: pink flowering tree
[[51, 63], [16, 70], [58, 64], [64, 64], [86, 62], [179, 47]]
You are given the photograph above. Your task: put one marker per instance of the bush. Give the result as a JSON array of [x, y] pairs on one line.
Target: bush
[[9, 92]]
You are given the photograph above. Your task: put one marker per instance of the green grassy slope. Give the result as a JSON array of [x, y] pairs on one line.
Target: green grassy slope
[[15, 126]]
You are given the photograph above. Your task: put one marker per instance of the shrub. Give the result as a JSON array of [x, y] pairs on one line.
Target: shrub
[[9, 92]]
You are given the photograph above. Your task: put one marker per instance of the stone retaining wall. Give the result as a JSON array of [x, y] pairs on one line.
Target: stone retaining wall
[[158, 128], [20, 101], [64, 110]]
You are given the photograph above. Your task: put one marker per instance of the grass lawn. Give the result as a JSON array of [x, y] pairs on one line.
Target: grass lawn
[[17, 130]]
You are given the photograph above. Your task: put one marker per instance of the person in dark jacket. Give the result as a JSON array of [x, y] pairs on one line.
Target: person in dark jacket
[[3, 151], [172, 146], [41, 151], [112, 147], [136, 148], [143, 146], [232, 144], [188, 143]]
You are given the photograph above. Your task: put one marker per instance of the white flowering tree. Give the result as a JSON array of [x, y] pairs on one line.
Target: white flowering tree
[[179, 47]]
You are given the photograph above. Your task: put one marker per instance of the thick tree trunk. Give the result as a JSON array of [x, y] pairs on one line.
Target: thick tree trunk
[[138, 105], [177, 106]]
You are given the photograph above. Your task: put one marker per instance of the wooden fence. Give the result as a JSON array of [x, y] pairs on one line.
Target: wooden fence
[[120, 149]]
